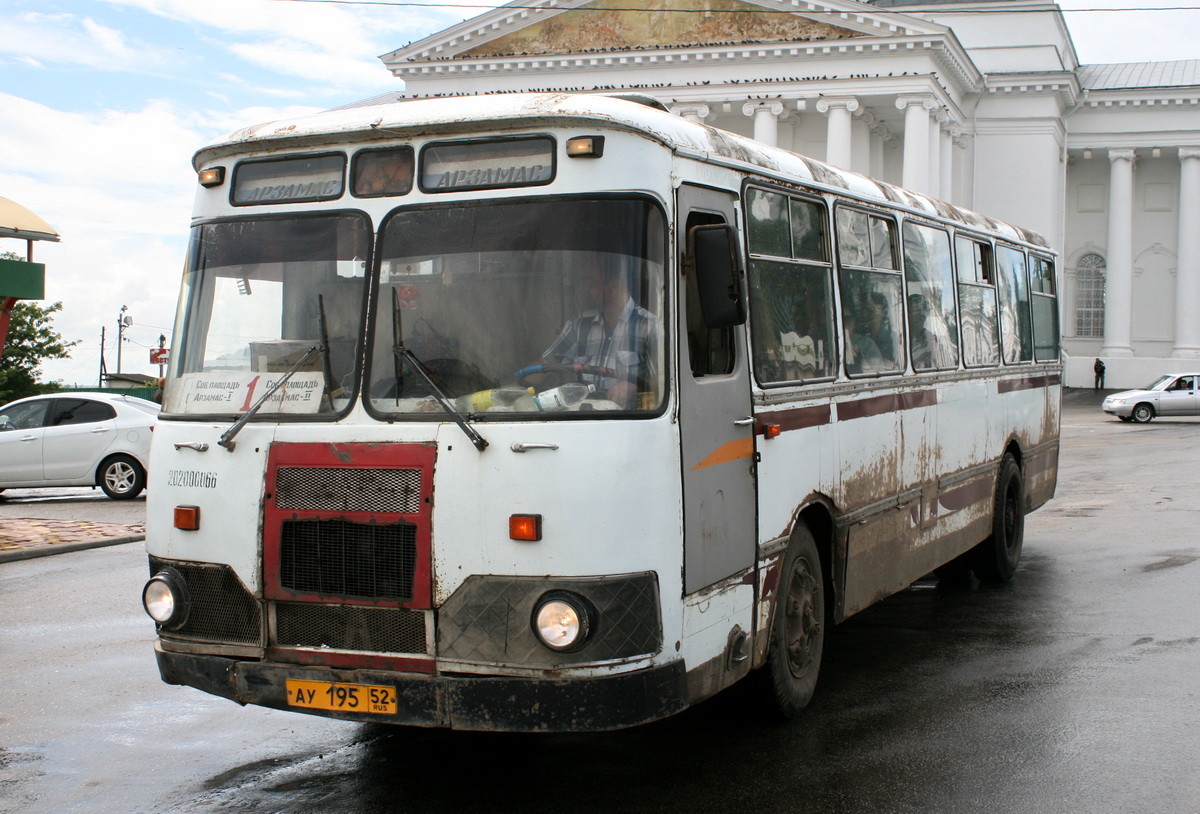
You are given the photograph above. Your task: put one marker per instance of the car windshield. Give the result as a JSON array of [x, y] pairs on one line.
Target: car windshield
[[262, 298], [1161, 383], [537, 307]]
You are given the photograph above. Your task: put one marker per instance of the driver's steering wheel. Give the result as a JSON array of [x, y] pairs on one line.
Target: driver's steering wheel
[[581, 370]]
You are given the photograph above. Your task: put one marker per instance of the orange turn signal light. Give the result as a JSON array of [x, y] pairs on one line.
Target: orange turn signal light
[[771, 430], [187, 517], [525, 527]]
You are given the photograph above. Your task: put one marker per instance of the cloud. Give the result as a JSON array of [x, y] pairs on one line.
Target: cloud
[[118, 186], [38, 39]]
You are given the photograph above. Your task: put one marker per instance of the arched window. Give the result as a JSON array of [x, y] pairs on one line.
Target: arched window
[[1089, 295]]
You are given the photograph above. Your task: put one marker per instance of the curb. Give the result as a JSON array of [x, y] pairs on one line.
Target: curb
[[63, 548]]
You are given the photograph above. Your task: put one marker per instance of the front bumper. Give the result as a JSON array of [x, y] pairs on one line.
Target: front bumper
[[1125, 409], [499, 703]]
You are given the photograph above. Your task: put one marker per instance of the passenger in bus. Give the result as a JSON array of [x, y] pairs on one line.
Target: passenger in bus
[[615, 333], [862, 354]]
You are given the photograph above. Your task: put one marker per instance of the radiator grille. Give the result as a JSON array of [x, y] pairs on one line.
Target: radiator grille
[[222, 610], [341, 558], [343, 489], [341, 627]]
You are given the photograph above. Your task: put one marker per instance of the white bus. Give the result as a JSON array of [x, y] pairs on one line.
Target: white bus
[[560, 412]]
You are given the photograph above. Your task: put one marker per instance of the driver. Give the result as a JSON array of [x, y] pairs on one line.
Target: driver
[[614, 333]]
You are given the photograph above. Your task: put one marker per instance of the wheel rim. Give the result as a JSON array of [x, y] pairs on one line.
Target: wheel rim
[[801, 627], [120, 477], [1141, 413]]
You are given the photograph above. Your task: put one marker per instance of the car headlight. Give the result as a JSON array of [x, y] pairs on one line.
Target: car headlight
[[1115, 402], [165, 598], [563, 621]]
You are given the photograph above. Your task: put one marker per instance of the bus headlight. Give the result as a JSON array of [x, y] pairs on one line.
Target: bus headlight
[[563, 621], [165, 598]]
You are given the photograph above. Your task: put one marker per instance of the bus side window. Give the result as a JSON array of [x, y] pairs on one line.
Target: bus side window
[[977, 302], [932, 318], [1045, 309], [872, 320], [711, 350], [791, 290], [1016, 340]]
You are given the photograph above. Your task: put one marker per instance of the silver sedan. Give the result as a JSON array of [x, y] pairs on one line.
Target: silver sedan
[[1172, 394]]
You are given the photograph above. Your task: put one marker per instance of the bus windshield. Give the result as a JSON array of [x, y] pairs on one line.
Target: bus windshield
[[258, 296], [546, 307]]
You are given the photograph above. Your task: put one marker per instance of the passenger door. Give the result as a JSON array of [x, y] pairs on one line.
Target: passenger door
[[716, 419], [21, 434], [1179, 398], [79, 432]]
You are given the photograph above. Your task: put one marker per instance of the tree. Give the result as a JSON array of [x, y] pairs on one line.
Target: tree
[[31, 340]]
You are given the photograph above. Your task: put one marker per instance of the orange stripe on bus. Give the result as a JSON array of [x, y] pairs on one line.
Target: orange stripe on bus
[[731, 451]]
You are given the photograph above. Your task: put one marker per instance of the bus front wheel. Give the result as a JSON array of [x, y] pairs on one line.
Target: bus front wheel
[[997, 557], [797, 627]]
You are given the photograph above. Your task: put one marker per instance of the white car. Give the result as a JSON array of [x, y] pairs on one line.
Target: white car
[[77, 439], [1172, 394]]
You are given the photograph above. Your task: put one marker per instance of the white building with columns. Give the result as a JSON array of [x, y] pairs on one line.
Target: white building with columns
[[981, 104]]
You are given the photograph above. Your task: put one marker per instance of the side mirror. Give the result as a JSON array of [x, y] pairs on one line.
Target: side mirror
[[712, 252]]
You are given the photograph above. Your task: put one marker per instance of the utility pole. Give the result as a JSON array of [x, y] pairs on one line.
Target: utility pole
[[123, 322], [103, 372]]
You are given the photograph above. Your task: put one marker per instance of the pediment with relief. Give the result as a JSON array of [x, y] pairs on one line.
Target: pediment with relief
[[524, 28], [615, 24]]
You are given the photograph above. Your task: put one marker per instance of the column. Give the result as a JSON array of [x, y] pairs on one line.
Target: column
[[839, 112], [946, 176], [1118, 283], [697, 112], [915, 174], [1187, 273], [766, 120]]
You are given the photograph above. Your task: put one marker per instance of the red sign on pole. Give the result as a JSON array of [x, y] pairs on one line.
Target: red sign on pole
[[160, 356]]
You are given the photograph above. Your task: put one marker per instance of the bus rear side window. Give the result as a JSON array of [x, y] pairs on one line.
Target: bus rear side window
[[1045, 310]]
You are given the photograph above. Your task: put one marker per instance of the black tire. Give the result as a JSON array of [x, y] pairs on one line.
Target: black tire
[[1142, 413], [121, 477], [797, 627], [996, 558], [1125, 417]]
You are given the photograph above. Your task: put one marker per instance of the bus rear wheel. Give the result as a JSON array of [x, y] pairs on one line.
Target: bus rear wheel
[[996, 558], [797, 627]]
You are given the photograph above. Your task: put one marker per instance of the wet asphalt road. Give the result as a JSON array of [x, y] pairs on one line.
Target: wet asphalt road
[[1076, 688]]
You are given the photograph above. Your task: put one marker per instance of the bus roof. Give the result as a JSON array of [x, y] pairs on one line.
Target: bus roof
[[392, 117]]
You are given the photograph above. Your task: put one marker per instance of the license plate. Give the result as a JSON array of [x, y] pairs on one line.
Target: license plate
[[341, 697]]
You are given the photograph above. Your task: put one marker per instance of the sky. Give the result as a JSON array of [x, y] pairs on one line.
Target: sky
[[103, 103]]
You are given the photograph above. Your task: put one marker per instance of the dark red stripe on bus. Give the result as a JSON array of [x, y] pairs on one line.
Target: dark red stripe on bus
[[878, 405], [1027, 383], [968, 494], [798, 419]]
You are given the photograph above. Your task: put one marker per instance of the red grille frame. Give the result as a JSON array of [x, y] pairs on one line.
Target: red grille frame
[[330, 460]]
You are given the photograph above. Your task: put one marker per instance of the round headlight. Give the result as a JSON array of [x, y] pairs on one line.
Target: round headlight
[[165, 598], [563, 621]]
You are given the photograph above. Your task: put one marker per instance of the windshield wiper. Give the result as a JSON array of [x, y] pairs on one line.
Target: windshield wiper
[[400, 352], [226, 439]]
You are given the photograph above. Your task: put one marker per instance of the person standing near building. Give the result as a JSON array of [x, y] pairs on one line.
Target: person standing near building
[[1098, 368]]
